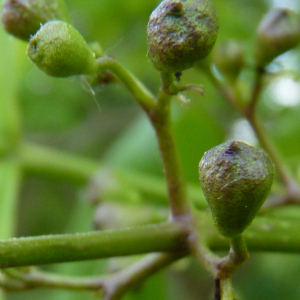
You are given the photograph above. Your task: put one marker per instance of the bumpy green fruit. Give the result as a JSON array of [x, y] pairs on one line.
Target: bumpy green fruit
[[278, 32], [23, 18], [59, 50], [180, 33], [236, 179]]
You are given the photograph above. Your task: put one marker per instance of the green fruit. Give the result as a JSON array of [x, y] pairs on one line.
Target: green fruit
[[23, 18], [278, 32], [180, 33], [59, 50], [236, 179], [229, 59]]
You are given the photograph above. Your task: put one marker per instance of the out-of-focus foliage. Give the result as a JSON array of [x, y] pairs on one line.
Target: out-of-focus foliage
[[107, 125]]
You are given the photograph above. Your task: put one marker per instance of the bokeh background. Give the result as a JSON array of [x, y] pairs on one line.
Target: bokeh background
[[105, 124]]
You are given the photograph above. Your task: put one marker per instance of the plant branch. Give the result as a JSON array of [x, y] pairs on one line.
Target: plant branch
[[113, 286], [270, 234], [265, 234], [79, 170], [19, 279], [160, 118], [238, 254], [218, 267], [292, 187], [206, 257], [165, 237], [226, 289], [139, 92], [53, 163], [10, 135], [10, 182], [118, 284], [250, 109], [249, 112], [57, 164]]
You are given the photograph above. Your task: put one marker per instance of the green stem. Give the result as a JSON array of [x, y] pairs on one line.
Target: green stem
[[293, 189], [10, 181], [12, 59], [160, 118], [10, 128], [226, 289], [34, 278], [249, 112], [119, 284], [53, 163], [256, 91], [206, 257], [238, 254], [76, 169], [165, 237], [139, 92], [221, 268], [57, 164], [166, 81], [265, 234], [113, 286], [226, 92], [160, 115]]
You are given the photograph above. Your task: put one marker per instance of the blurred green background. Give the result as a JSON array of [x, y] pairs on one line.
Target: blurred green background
[[105, 124]]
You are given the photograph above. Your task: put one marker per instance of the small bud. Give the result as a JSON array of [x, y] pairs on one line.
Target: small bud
[[236, 179], [59, 50], [229, 59], [23, 18], [180, 33], [278, 32]]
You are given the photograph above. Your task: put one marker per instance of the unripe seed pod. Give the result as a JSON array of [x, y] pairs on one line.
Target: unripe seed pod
[[23, 18], [59, 50], [236, 179], [180, 33], [278, 32], [229, 59]]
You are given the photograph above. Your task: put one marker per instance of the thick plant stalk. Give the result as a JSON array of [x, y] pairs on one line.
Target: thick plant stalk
[[165, 237], [160, 118]]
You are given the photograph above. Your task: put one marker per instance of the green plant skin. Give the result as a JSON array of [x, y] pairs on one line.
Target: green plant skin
[[236, 179], [59, 50], [23, 18], [163, 237], [227, 289], [181, 33], [265, 234]]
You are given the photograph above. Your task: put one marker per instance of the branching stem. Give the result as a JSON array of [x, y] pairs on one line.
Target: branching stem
[[238, 254], [139, 92], [113, 286], [249, 112], [118, 284], [160, 117]]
